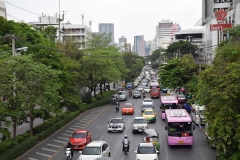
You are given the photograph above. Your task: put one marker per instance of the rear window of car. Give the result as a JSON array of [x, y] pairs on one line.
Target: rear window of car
[[146, 150], [147, 100]]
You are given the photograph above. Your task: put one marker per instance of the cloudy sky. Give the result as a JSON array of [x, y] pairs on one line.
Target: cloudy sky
[[130, 17]]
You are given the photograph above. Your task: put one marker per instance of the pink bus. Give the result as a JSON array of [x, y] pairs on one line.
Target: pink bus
[[154, 85], [168, 102], [179, 127]]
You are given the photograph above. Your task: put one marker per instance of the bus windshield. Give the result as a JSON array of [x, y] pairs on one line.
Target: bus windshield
[[169, 106], [177, 128]]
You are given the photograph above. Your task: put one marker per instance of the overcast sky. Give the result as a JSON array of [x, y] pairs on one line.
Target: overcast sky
[[130, 17]]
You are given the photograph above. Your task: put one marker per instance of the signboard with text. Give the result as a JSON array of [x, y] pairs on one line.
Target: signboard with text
[[219, 27]]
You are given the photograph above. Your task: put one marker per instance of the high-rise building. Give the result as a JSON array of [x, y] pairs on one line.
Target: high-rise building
[[212, 38], [174, 29], [164, 33], [3, 12], [139, 46], [122, 39], [107, 28]]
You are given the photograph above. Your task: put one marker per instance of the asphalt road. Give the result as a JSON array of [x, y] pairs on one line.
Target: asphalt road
[[96, 122]]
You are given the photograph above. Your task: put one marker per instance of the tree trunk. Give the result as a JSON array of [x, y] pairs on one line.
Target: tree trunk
[[104, 84], [31, 124], [101, 88], [14, 129], [94, 91]]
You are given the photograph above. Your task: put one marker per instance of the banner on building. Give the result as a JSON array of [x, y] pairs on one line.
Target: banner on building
[[219, 27]]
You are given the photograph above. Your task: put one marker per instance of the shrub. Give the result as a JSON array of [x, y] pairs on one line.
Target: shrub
[[11, 149]]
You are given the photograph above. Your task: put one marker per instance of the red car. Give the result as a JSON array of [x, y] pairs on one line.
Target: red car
[[128, 108], [181, 98], [80, 138], [155, 92]]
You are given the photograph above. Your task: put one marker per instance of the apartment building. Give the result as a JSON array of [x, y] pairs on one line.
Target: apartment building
[[139, 46], [3, 12]]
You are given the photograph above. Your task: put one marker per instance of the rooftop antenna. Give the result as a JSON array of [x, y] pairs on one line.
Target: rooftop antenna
[[82, 18], [90, 24]]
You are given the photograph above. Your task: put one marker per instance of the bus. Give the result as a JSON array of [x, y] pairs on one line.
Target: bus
[[179, 127], [168, 102], [154, 85]]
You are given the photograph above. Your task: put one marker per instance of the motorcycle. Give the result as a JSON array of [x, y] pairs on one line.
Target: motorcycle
[[125, 148], [130, 95], [117, 106], [68, 153], [144, 95]]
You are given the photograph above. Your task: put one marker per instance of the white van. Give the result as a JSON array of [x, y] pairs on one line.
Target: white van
[[197, 111]]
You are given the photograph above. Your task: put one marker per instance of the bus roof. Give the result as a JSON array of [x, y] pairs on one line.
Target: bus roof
[[177, 115], [169, 99]]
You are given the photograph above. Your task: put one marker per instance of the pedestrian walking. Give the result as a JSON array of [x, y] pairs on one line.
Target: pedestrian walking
[[200, 122]]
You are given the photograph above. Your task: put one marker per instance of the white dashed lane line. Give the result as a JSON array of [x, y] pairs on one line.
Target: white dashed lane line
[[42, 154], [51, 150], [63, 138], [53, 145], [59, 141], [30, 158]]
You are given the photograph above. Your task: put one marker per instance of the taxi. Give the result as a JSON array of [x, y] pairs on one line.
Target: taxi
[[128, 108], [150, 115]]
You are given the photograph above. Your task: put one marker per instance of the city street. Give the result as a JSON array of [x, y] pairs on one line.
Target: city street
[[95, 121]]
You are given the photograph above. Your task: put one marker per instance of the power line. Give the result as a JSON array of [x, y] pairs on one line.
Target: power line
[[20, 8], [11, 16]]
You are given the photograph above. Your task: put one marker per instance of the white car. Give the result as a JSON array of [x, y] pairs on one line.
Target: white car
[[116, 125], [146, 151], [94, 150], [140, 88], [147, 101], [122, 95], [146, 89], [139, 124]]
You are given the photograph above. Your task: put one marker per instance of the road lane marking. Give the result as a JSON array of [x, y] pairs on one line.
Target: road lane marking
[[83, 128], [81, 123], [77, 126], [42, 154], [63, 138], [30, 158], [97, 126], [74, 128], [51, 150], [66, 134], [53, 145], [123, 157], [59, 141], [84, 121], [100, 138], [69, 131], [89, 118], [91, 115], [98, 109]]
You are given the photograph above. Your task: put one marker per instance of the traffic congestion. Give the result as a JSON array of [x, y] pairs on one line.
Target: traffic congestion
[[137, 124]]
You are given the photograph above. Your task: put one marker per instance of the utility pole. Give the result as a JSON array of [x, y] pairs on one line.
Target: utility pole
[[13, 38], [59, 22]]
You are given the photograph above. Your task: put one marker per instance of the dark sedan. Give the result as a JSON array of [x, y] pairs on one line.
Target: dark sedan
[[136, 94]]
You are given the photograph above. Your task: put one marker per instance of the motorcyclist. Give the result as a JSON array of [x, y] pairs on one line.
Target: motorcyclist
[[143, 93], [117, 105], [69, 145], [126, 141], [130, 93]]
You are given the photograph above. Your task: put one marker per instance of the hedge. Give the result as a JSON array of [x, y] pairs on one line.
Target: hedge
[[12, 149]]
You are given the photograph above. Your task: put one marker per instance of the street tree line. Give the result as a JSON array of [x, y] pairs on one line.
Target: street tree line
[[50, 76], [218, 88]]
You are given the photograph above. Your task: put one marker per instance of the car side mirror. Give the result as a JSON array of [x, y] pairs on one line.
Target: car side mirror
[[165, 127], [135, 151], [193, 127], [80, 152]]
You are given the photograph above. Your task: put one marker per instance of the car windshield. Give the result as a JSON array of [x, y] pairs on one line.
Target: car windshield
[[136, 92], [127, 106], [148, 112], [147, 106], [79, 135], [92, 151], [121, 93], [146, 150], [200, 112], [139, 121], [116, 121], [181, 96], [154, 91], [146, 87], [147, 100]]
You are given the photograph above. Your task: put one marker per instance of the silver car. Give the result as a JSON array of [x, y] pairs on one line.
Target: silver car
[[137, 94], [122, 95], [140, 88], [146, 89], [139, 124]]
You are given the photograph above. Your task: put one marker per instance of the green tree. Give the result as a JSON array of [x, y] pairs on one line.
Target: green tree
[[156, 55], [184, 47], [218, 89], [49, 32], [178, 72]]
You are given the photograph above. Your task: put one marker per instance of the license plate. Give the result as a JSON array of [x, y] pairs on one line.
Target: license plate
[[140, 130], [180, 142]]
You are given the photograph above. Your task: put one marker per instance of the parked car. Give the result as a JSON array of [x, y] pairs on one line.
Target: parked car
[[95, 149], [197, 111], [116, 125], [80, 138], [146, 151], [122, 95], [139, 124]]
